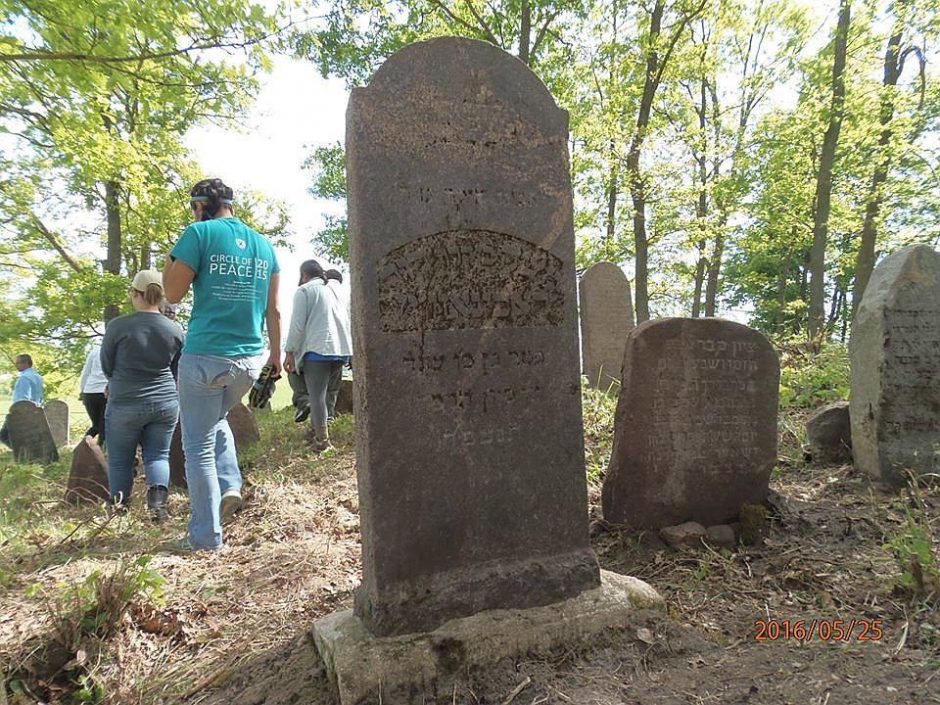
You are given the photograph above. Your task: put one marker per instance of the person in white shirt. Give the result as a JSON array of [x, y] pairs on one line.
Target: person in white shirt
[[334, 280], [318, 345], [92, 386]]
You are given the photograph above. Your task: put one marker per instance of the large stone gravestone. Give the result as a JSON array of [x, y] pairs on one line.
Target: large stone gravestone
[[57, 414], [895, 357], [88, 478], [30, 436], [696, 424], [470, 457], [472, 492], [606, 320], [244, 427]]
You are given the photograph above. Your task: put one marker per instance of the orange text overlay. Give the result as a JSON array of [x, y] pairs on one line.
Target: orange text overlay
[[819, 629]]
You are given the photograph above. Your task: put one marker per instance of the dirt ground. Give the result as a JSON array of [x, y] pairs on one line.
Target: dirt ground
[[233, 628]]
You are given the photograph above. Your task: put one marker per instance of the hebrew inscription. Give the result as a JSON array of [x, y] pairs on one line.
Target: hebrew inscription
[[696, 432], [468, 279]]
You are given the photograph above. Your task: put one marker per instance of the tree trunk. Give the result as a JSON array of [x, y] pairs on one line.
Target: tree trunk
[[865, 260], [525, 32], [637, 187], [613, 187], [782, 293], [112, 264], [714, 270], [701, 206], [817, 262]]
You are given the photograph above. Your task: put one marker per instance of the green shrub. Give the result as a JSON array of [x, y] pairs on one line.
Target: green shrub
[[809, 379]]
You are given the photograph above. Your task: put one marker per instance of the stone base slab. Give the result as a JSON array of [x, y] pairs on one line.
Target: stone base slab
[[415, 668]]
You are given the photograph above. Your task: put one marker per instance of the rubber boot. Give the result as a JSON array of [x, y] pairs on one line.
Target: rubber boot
[[156, 503]]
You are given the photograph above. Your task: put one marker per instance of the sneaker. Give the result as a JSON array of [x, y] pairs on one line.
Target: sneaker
[[183, 545], [302, 414], [231, 503], [156, 503]]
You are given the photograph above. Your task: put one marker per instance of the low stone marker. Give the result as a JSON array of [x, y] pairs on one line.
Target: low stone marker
[[829, 434], [88, 478], [30, 436], [344, 400], [696, 424], [469, 442], [606, 314], [177, 459], [57, 414], [244, 427], [895, 356]]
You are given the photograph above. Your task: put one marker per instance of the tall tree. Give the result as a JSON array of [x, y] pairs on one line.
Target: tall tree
[[822, 201]]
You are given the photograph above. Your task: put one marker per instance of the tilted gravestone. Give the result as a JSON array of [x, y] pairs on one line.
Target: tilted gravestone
[[469, 437], [57, 414], [177, 459], [30, 436], [696, 424], [244, 427], [344, 399], [895, 356], [88, 478], [606, 320], [829, 433]]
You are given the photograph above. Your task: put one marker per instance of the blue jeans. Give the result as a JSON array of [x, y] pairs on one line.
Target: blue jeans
[[209, 387], [132, 423]]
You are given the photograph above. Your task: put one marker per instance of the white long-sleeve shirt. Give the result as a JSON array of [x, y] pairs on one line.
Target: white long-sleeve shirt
[[93, 379], [319, 323]]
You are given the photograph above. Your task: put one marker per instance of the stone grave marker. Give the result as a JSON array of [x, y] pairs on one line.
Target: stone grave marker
[[30, 436], [696, 424], [88, 478], [829, 434], [344, 399], [177, 459], [606, 315], [471, 478], [244, 427], [895, 357], [57, 414]]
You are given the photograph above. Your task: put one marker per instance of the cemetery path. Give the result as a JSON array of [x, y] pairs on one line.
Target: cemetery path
[[232, 628]]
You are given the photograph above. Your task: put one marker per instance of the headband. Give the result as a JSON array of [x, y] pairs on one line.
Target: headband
[[205, 199]]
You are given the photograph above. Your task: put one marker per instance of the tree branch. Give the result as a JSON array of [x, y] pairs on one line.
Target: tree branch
[[53, 240]]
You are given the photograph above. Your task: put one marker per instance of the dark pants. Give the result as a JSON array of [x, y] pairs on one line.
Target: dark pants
[[300, 399], [95, 405], [5, 434], [318, 375]]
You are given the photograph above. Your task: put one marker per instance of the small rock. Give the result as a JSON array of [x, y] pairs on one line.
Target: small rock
[[721, 535], [688, 534]]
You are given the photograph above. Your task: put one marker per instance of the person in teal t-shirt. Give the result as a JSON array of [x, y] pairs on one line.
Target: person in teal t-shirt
[[234, 276]]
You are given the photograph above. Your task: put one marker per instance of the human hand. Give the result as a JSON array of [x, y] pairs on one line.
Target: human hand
[[289, 364], [275, 363]]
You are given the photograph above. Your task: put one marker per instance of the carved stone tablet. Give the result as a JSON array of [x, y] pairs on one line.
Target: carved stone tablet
[[696, 425], [895, 356], [88, 478], [606, 321], [57, 414], [468, 429], [30, 437]]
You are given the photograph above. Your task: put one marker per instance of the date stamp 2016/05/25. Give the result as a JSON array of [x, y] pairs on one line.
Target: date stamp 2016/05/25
[[805, 630]]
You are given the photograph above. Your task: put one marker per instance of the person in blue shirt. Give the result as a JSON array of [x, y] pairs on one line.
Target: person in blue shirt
[[234, 275], [28, 387]]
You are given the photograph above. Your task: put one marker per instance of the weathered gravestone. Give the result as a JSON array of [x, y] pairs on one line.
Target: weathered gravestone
[[606, 321], [470, 463], [57, 414], [895, 356], [88, 478], [177, 459], [344, 399], [30, 437], [696, 424], [829, 433], [244, 427]]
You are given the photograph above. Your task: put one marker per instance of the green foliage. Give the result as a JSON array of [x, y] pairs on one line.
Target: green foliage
[[809, 379], [599, 408], [916, 549]]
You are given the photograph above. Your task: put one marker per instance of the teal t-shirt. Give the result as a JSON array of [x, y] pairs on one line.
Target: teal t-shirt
[[233, 266]]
